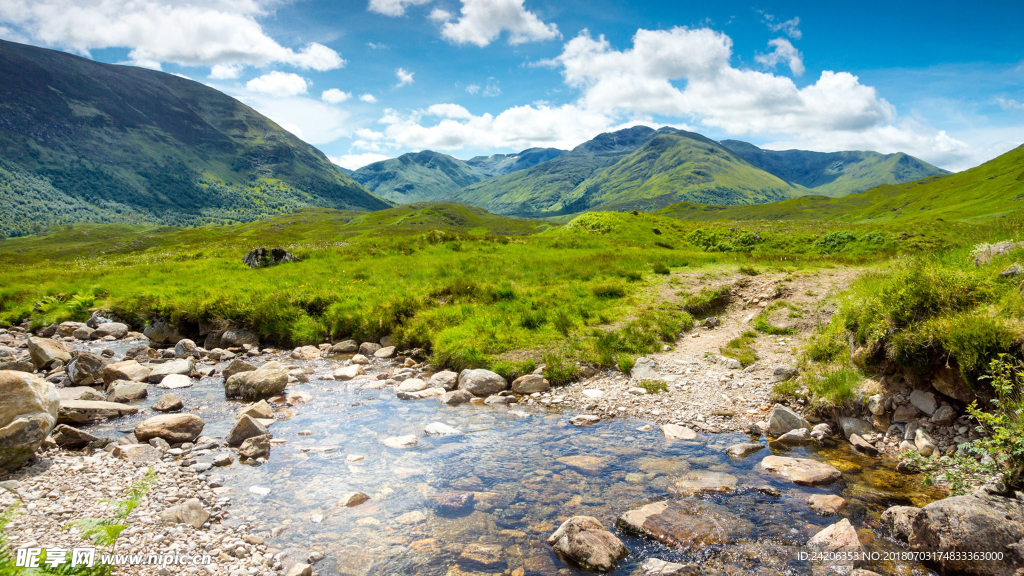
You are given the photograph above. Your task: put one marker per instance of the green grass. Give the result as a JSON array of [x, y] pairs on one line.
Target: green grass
[[741, 348], [707, 301], [654, 386], [762, 325]]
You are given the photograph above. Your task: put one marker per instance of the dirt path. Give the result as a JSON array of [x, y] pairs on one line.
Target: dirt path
[[704, 391]]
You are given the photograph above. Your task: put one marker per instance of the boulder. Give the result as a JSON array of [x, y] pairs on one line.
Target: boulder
[[259, 410], [924, 443], [797, 437], [783, 420], [115, 330], [405, 441], [453, 501], [346, 347], [586, 543], [44, 352], [237, 367], [189, 512], [440, 429], [688, 524], [369, 348], [174, 428], [66, 329], [421, 394], [28, 412], [743, 449], [89, 411], [385, 352], [584, 420], [644, 369], [245, 427], [159, 331], [255, 447], [71, 438], [530, 384], [944, 416], [802, 471], [186, 348], [353, 499], [445, 379], [300, 569], [478, 554], [175, 382], [86, 369], [826, 504], [83, 333], [349, 372], [924, 401], [481, 383], [677, 432], [948, 380], [455, 397], [360, 360], [853, 426], [840, 537], [268, 380], [168, 403], [126, 370], [238, 338], [658, 567], [905, 413], [18, 366], [412, 385], [265, 257], [182, 366], [784, 372], [876, 404], [863, 445], [138, 453], [899, 521], [125, 391], [703, 482]]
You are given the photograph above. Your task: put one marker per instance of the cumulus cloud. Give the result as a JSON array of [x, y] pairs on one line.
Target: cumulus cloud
[[480, 22], [404, 76], [312, 120], [357, 161], [335, 96], [782, 51], [185, 32], [787, 27], [368, 98], [225, 71], [393, 7], [279, 84]]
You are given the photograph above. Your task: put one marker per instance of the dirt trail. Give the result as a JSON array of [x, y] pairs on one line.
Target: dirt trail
[[703, 391]]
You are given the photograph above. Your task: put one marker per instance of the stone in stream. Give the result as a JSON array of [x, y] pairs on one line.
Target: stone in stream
[[589, 465], [115, 330], [826, 504], [237, 367], [441, 429], [455, 397], [584, 420], [796, 437], [238, 338], [644, 369], [743, 449], [349, 372], [369, 348], [159, 331], [86, 369], [259, 410], [264, 382], [66, 329], [352, 499], [83, 333], [677, 432], [863, 445], [44, 352], [126, 370], [168, 403], [410, 518], [18, 366], [530, 384], [480, 555], [300, 569], [802, 471], [255, 447], [137, 453], [783, 420], [385, 352], [586, 543], [689, 524], [345, 347], [360, 360], [307, 353], [189, 512], [71, 438], [88, 411], [412, 385], [174, 428], [453, 501], [858, 426], [125, 391], [245, 427], [406, 441], [445, 379], [182, 366], [899, 521], [703, 482], [186, 348], [481, 383], [421, 394], [839, 538], [656, 567], [28, 412]]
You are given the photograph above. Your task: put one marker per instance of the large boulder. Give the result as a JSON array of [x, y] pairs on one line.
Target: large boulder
[[264, 257], [182, 366], [237, 367], [530, 384], [445, 379], [268, 380], [126, 370], [71, 438], [783, 420], [45, 352], [125, 391], [482, 383], [686, 524], [66, 329], [245, 427], [978, 522], [255, 447], [175, 428], [28, 412], [89, 411], [586, 543], [899, 520], [159, 331], [237, 338], [802, 471], [86, 369], [186, 348], [116, 330], [836, 540]]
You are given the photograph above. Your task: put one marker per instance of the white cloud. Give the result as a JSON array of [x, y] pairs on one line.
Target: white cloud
[[404, 76], [377, 46], [310, 119], [482, 21], [473, 88], [440, 15], [782, 51], [357, 161], [393, 7], [368, 98], [279, 84], [787, 27], [335, 96], [185, 32], [1009, 103], [225, 72]]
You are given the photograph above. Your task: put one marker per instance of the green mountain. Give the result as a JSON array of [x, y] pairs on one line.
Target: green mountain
[[418, 177], [634, 169], [993, 189], [86, 141], [835, 173], [501, 164]]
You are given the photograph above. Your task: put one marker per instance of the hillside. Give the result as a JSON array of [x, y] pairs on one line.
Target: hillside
[[993, 189], [86, 141], [835, 173], [417, 177], [501, 164]]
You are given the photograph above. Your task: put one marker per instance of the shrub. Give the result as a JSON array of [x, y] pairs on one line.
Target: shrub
[[741, 348], [660, 268], [654, 386], [558, 369], [626, 363], [1004, 423], [834, 242]]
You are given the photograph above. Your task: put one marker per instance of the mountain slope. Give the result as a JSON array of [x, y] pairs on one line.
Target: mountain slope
[[418, 177], [993, 189], [835, 173], [501, 164], [86, 141]]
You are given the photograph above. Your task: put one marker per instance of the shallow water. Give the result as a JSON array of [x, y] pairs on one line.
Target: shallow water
[[508, 458]]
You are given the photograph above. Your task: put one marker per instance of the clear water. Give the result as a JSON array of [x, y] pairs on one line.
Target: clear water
[[508, 457]]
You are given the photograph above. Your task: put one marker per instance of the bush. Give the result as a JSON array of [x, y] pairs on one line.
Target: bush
[[741, 348], [654, 386], [1004, 423], [558, 369], [626, 364], [660, 268], [834, 242]]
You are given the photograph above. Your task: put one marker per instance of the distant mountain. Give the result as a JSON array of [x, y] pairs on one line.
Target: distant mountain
[[501, 164], [418, 177], [86, 141], [835, 173]]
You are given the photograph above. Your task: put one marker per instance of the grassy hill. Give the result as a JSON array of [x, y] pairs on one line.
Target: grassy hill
[[501, 164], [993, 189], [418, 177], [835, 173], [86, 141]]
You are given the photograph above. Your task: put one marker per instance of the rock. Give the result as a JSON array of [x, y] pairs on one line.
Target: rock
[[924, 401], [237, 367], [677, 432], [18, 366], [840, 537], [186, 348], [115, 330], [656, 567], [300, 569], [863, 445], [743, 449], [125, 391], [353, 499], [905, 413], [441, 429], [784, 372], [259, 409], [86, 369], [795, 437], [821, 431], [255, 447], [802, 471], [899, 520], [237, 338], [168, 403], [265, 257], [726, 362], [453, 501], [851, 426], [881, 422], [264, 382], [89, 411], [349, 372], [585, 542], [826, 504], [182, 367], [410, 518], [703, 482], [584, 420], [175, 382], [783, 420], [445, 379], [189, 512], [481, 383], [948, 380], [245, 427], [688, 524], [530, 384], [346, 347], [159, 331], [71, 438], [589, 465], [66, 329], [405, 441], [44, 352], [456, 397], [420, 395], [385, 352], [360, 360], [876, 404], [482, 555], [127, 370], [412, 385], [28, 412], [711, 322], [644, 369], [369, 348], [924, 443], [944, 416], [985, 256], [175, 428], [137, 453], [83, 333], [497, 399]]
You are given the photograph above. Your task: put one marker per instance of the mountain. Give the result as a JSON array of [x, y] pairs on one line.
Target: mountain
[[993, 189], [86, 141], [501, 164], [418, 177], [835, 173], [637, 168]]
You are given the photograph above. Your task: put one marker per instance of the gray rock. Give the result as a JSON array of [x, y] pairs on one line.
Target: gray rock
[[245, 427], [115, 330], [189, 512], [369, 348], [86, 369], [783, 420], [863, 445], [686, 524], [455, 397], [266, 257], [441, 429], [482, 383], [876, 404], [71, 438], [159, 331], [677, 432], [89, 411], [924, 443], [346, 347], [83, 333], [238, 338], [126, 370], [412, 385], [795, 437], [183, 366], [175, 428], [125, 391], [585, 542], [268, 380], [657, 567], [66, 329], [784, 372], [168, 403], [28, 412], [237, 367], [944, 416], [857, 426], [644, 369], [530, 384], [137, 453], [839, 538], [743, 449], [385, 352], [255, 447], [44, 352], [445, 379], [924, 401], [802, 471], [186, 348], [899, 520]]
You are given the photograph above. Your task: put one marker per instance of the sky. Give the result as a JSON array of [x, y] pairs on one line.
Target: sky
[[365, 80]]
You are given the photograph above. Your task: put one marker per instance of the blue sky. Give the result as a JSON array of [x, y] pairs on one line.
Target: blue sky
[[369, 79]]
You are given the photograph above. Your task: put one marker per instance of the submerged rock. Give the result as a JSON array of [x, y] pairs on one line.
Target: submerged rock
[[802, 471], [585, 542], [703, 481], [743, 449], [189, 512], [685, 524]]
